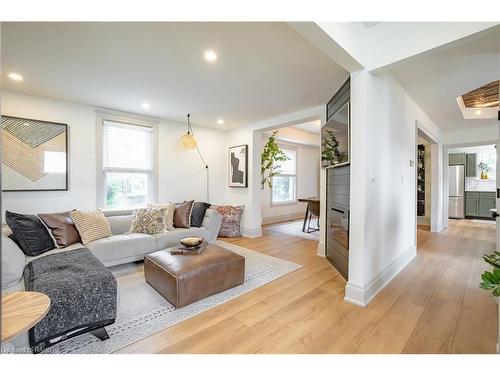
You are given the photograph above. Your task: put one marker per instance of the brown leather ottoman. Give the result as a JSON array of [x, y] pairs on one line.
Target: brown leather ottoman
[[184, 279]]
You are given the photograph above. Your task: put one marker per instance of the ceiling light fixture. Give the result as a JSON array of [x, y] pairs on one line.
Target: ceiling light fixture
[[210, 55], [220, 121], [145, 105], [16, 77], [478, 112]]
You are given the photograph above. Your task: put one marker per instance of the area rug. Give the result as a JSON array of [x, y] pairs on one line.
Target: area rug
[[143, 312], [294, 228]]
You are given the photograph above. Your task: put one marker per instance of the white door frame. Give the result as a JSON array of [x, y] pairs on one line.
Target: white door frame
[[435, 225], [447, 148]]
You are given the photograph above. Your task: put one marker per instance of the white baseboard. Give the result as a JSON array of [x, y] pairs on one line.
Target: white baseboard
[[282, 218], [252, 232], [362, 296]]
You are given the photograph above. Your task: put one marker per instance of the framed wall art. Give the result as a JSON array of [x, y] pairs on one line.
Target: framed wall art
[[238, 166], [35, 155]]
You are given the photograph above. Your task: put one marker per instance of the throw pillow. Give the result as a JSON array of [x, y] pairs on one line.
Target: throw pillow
[[231, 219], [149, 221], [29, 233], [198, 213], [62, 227], [182, 214], [169, 213], [91, 225]]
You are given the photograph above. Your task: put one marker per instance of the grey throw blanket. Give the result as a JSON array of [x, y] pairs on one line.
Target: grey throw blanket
[[82, 294]]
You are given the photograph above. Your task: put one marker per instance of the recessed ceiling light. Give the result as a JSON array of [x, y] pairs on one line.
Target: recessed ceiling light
[[145, 105], [210, 55], [15, 77], [220, 121], [478, 112]]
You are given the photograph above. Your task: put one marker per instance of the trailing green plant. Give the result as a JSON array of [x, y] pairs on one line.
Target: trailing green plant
[[270, 158], [483, 167], [491, 279], [330, 149]]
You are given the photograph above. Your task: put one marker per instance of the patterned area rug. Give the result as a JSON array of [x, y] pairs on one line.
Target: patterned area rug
[[294, 228], [143, 312]]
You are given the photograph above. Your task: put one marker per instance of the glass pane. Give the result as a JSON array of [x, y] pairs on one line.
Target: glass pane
[[335, 139], [283, 189], [126, 189], [289, 166], [127, 147]]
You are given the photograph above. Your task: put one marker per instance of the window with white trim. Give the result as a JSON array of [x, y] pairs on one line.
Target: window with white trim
[[127, 165], [284, 186]]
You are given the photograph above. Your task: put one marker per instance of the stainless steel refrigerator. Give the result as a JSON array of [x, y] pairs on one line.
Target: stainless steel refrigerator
[[456, 195]]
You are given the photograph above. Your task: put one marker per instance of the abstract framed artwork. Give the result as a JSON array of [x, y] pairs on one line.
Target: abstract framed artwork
[[238, 166], [35, 155]]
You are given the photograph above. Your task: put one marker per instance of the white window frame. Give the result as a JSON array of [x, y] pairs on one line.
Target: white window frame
[[132, 120], [294, 200]]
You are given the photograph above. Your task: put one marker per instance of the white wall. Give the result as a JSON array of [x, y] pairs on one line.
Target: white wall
[[181, 174], [251, 135], [307, 185], [383, 210], [470, 135]]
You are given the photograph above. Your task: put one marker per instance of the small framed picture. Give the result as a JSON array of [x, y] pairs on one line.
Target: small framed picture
[[238, 166]]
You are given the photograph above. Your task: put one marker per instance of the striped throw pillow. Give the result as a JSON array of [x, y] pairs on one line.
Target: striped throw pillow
[[91, 225]]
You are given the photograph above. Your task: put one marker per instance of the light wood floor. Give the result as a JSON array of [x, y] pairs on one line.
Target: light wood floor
[[433, 306]]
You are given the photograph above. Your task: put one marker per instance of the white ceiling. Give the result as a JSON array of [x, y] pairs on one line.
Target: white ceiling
[[313, 127], [436, 79], [263, 69]]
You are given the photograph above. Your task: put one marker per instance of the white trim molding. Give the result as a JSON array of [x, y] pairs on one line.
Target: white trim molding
[[362, 296]]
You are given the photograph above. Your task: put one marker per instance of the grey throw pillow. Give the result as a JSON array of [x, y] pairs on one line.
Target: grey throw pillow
[[29, 233]]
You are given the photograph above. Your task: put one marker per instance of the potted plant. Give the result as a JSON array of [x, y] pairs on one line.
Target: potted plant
[[269, 161], [484, 168], [330, 154], [491, 282]]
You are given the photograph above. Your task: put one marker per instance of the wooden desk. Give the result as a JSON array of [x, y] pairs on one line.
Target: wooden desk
[[21, 311], [307, 200]]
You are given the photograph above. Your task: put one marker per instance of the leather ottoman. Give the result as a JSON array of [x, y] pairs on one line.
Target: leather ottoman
[[184, 279]]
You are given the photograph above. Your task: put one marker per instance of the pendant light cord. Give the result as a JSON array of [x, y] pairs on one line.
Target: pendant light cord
[[190, 129]]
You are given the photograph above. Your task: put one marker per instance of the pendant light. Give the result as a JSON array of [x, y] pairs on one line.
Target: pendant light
[[188, 141]]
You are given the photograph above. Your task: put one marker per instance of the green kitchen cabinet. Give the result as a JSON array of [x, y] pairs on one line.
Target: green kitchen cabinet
[[471, 203], [478, 204], [487, 201], [470, 165], [456, 159]]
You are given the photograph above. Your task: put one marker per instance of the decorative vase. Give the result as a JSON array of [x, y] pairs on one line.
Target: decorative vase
[[484, 176]]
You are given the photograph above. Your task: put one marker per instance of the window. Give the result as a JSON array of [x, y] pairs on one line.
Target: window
[[489, 157], [127, 165], [284, 190]]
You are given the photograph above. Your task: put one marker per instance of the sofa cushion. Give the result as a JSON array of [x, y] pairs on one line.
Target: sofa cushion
[[198, 213], [121, 247], [231, 220], [62, 227], [169, 213], [182, 214], [12, 262], [120, 224], [29, 233], [173, 237], [149, 221], [91, 225]]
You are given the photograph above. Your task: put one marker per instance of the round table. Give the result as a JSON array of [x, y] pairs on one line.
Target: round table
[[21, 311]]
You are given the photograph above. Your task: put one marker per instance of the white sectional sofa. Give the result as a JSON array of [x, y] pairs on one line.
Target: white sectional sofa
[[118, 249]]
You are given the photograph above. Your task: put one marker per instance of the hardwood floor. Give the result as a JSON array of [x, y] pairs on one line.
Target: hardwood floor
[[433, 306]]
